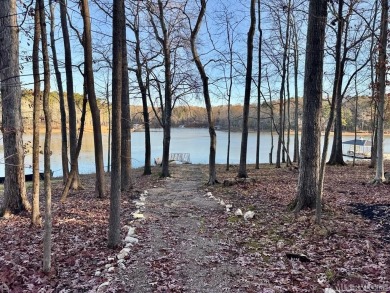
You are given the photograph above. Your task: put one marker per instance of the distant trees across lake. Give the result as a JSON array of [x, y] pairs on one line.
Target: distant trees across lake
[[196, 116]]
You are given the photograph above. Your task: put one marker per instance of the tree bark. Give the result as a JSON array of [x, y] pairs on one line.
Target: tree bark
[[117, 83], [15, 199], [258, 87], [36, 219], [242, 173], [336, 156], [95, 112], [382, 66], [64, 135], [46, 150], [126, 120], [296, 104], [374, 76], [206, 93], [167, 109], [282, 90], [70, 94], [312, 102], [142, 87]]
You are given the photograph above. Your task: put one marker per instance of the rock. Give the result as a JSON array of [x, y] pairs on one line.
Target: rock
[[122, 266], [228, 207], [107, 266], [120, 261], [121, 256], [100, 288], [111, 269], [125, 250], [130, 239], [138, 216], [128, 244], [98, 273], [139, 204], [249, 215], [145, 192], [110, 258], [329, 290], [238, 212], [142, 198], [131, 231], [208, 194], [280, 244]]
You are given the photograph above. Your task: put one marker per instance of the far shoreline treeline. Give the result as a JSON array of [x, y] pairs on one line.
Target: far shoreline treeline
[[191, 116]]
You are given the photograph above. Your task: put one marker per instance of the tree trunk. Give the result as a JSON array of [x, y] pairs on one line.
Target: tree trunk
[[142, 87], [64, 135], [296, 104], [282, 89], [126, 120], [336, 156], [168, 92], [242, 173], [117, 83], [229, 91], [15, 199], [46, 149], [206, 93], [258, 87], [109, 129], [374, 76], [36, 219], [308, 182], [95, 112], [382, 66], [70, 94], [73, 167]]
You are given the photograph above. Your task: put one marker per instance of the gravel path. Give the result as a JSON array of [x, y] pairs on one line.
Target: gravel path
[[179, 254]]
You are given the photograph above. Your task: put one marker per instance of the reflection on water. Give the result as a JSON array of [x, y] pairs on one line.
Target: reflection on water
[[183, 140]]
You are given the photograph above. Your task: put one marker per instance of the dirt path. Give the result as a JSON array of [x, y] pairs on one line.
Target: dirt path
[[178, 254]]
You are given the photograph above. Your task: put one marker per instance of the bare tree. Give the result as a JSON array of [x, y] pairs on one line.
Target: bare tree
[[259, 85], [283, 85], [70, 93], [64, 135], [126, 181], [167, 25], [242, 173], [97, 131], [139, 68], [35, 215], [206, 94], [46, 149], [117, 83], [350, 38], [382, 68], [311, 131], [15, 199]]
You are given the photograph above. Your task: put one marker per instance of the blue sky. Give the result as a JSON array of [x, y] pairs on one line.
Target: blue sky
[[237, 10]]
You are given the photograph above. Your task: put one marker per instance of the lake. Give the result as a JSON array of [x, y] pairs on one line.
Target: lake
[[194, 141]]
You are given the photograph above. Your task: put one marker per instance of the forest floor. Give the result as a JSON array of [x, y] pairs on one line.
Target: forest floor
[[189, 242]]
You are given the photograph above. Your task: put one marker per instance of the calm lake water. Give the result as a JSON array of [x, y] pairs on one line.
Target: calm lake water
[[183, 140]]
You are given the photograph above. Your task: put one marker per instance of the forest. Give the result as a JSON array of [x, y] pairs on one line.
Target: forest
[[310, 70]]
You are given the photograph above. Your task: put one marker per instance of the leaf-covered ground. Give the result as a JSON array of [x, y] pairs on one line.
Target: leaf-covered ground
[[189, 242]]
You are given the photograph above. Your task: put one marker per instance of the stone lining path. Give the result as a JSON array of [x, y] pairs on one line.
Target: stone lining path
[[178, 253]]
